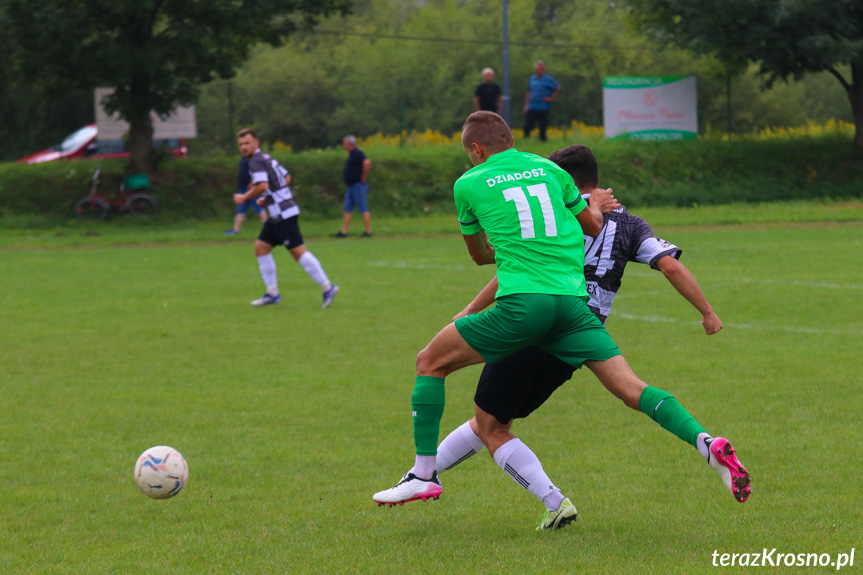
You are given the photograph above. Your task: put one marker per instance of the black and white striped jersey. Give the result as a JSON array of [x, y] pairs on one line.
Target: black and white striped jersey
[[279, 200], [624, 238]]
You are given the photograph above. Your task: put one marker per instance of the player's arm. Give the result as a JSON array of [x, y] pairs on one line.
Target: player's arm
[[479, 249], [254, 191], [685, 284], [476, 103], [590, 218], [482, 300], [260, 182], [367, 165]]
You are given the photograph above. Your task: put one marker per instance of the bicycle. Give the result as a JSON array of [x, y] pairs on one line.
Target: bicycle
[[95, 207]]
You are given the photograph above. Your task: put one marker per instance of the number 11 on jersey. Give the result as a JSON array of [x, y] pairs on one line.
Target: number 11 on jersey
[[525, 215]]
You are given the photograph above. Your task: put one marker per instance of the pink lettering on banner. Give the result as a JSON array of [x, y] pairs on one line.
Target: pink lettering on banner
[[630, 115], [650, 98], [671, 115]]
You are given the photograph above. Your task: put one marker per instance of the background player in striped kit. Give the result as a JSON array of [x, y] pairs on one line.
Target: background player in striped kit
[[270, 181]]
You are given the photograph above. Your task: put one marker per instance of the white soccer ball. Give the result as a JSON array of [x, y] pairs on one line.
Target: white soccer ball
[[161, 472]]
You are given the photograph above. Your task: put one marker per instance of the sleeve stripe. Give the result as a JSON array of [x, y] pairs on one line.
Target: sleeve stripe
[[468, 223], [574, 202]]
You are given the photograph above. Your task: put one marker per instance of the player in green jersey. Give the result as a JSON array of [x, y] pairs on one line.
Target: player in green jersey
[[530, 211], [517, 386], [541, 301]]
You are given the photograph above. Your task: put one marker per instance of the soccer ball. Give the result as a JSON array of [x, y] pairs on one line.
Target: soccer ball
[[161, 472]]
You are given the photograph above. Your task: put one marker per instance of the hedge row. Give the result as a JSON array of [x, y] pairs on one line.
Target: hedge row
[[414, 180]]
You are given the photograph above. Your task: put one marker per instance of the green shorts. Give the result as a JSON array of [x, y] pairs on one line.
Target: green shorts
[[562, 325]]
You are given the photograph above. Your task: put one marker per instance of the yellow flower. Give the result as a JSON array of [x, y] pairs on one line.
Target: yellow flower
[[579, 131]]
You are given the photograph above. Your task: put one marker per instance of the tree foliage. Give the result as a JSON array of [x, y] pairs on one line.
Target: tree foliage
[[29, 120], [155, 52], [786, 38], [354, 74], [398, 65]]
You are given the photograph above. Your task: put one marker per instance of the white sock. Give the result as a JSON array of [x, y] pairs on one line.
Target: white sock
[[424, 467], [701, 443], [524, 467], [458, 446], [267, 265], [313, 267]]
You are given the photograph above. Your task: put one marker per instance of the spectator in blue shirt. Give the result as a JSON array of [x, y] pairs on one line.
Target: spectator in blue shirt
[[542, 90], [244, 178]]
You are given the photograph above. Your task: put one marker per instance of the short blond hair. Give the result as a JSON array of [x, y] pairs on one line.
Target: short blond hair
[[487, 129]]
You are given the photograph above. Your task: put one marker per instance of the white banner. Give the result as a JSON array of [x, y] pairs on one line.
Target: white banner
[[650, 107], [180, 124]]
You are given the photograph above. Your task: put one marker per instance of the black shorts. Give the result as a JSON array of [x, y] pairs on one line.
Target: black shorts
[[516, 386], [284, 232]]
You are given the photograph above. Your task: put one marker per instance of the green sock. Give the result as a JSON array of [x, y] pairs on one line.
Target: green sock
[[667, 412], [427, 402]]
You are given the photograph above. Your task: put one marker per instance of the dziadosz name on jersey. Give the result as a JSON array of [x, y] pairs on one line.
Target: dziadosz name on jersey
[[514, 177]]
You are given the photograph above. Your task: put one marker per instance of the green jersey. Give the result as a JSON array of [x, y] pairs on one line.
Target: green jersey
[[527, 205]]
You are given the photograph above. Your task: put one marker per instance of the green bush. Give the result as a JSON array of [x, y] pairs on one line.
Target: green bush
[[415, 180]]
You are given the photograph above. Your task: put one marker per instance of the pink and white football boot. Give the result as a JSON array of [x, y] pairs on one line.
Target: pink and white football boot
[[410, 488], [729, 468]]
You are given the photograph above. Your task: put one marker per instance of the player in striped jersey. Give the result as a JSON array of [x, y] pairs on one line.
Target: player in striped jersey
[[270, 185], [516, 386]]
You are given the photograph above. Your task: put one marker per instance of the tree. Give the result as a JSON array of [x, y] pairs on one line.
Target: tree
[[787, 38], [155, 52], [28, 119]]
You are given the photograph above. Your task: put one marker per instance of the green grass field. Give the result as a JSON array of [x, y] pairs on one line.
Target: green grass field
[[291, 416]]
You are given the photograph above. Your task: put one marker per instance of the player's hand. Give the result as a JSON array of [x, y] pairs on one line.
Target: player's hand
[[604, 198], [462, 313], [238, 199], [261, 201], [711, 323]]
